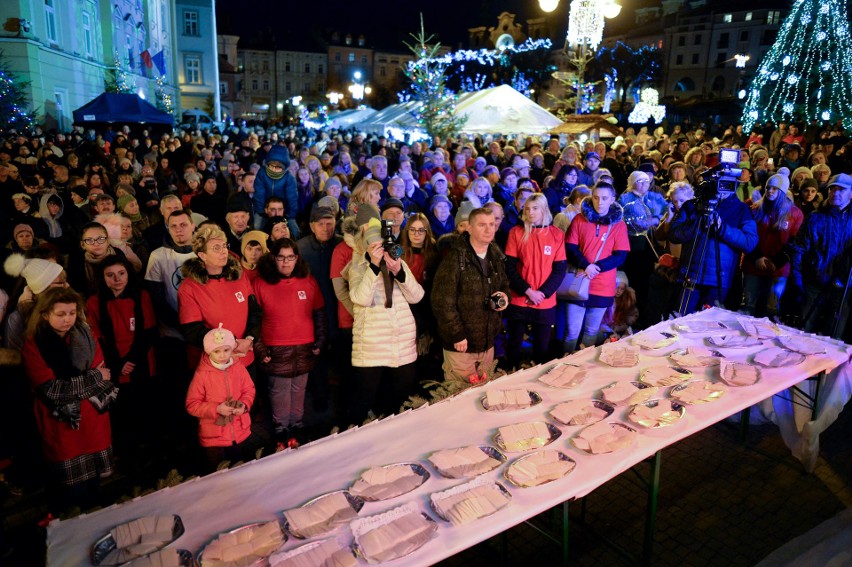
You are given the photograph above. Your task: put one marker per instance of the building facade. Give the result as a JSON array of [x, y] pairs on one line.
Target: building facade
[[67, 50], [197, 57], [301, 74]]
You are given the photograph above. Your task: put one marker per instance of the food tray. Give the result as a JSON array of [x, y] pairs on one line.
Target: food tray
[[531, 444], [696, 357], [418, 469], [677, 412], [629, 439], [734, 341], [438, 496], [599, 404], [700, 326], [654, 340], [777, 357], [802, 345], [627, 401], [487, 449], [259, 562], [663, 376], [356, 502], [362, 526], [280, 556], [185, 558], [714, 392], [619, 355], [512, 477], [553, 379], [102, 548], [729, 371], [535, 399]]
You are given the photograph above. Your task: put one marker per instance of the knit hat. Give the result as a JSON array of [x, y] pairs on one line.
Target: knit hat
[[38, 273], [330, 203], [22, 196], [809, 182], [332, 181], [237, 204], [521, 163], [22, 227], [621, 277], [123, 201], [463, 214], [365, 212], [318, 213], [373, 232], [439, 199], [192, 176], [647, 168], [438, 176], [392, 203], [219, 337], [636, 177], [779, 181], [259, 236]]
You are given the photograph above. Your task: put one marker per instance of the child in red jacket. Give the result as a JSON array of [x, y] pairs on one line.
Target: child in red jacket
[[220, 396]]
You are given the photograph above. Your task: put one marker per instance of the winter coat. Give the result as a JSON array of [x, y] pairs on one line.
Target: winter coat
[[584, 239], [210, 387], [737, 235], [771, 243], [820, 254], [285, 188], [382, 336], [460, 290]]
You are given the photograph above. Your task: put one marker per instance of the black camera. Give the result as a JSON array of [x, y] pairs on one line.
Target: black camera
[[150, 183], [389, 244], [496, 302], [721, 178]]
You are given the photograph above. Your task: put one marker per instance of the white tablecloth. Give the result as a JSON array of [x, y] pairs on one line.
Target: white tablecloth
[[261, 490]]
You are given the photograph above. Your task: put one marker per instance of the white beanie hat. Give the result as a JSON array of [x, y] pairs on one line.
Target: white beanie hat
[[218, 337], [38, 273]]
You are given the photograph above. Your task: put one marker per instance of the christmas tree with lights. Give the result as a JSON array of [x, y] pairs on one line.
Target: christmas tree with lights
[[437, 114], [807, 74], [13, 115], [117, 82], [164, 99]]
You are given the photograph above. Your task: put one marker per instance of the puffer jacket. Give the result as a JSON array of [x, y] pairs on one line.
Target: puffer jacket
[[382, 336], [459, 292], [285, 188], [737, 235], [210, 387], [820, 253]]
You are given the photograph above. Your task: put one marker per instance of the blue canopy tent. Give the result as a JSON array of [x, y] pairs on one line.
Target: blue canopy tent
[[121, 108]]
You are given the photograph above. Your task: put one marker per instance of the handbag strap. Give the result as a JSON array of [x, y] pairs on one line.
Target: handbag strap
[[603, 242]]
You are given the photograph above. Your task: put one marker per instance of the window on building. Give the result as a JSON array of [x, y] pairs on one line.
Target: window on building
[[286, 66], [264, 66], [307, 67], [363, 60], [306, 87], [723, 41], [744, 35], [352, 58], [679, 60], [190, 22], [721, 57], [773, 17], [60, 106], [685, 85], [88, 42], [697, 40], [727, 18], [718, 84], [748, 16], [320, 68], [266, 84], [382, 71], [50, 20], [128, 44], [337, 57], [254, 84], [223, 88], [192, 69], [681, 41], [287, 87], [695, 59]]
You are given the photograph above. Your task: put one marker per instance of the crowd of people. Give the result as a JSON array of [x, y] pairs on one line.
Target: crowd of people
[[210, 284]]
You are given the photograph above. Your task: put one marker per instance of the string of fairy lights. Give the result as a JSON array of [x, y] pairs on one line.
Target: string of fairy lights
[[807, 74]]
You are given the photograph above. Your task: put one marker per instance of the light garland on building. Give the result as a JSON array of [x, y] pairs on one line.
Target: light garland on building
[[482, 56], [803, 77], [648, 107]]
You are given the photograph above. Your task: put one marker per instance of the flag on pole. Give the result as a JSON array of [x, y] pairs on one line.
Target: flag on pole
[[145, 56], [159, 60]]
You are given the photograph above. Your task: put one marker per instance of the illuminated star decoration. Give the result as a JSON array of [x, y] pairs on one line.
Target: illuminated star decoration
[[807, 74], [648, 107]]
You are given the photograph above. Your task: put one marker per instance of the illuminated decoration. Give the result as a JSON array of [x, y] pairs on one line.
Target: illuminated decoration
[[334, 98], [118, 83], [358, 89], [482, 56], [164, 99], [810, 65], [296, 100], [609, 79], [741, 60], [586, 21], [12, 101], [548, 5], [826, 115], [648, 107], [742, 94]]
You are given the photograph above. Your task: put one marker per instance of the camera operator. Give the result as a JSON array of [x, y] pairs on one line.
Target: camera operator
[[715, 229], [820, 260], [469, 291]]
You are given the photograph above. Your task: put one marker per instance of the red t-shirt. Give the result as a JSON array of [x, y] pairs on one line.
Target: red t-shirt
[[288, 309], [535, 259], [341, 256], [589, 235]]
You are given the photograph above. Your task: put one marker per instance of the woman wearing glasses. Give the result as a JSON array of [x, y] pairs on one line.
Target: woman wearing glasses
[[215, 290], [84, 270], [294, 330]]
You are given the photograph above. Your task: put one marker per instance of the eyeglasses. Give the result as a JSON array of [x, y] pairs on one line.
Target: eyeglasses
[[98, 240], [288, 258], [417, 230], [219, 247]]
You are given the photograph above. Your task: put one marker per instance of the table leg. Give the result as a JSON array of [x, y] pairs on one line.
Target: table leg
[[565, 553], [745, 418], [651, 513], [815, 411]]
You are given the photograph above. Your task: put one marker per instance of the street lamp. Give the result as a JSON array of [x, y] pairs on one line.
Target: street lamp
[[358, 89]]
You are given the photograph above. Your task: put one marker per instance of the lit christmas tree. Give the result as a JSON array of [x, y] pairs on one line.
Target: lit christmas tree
[[807, 74], [13, 102], [164, 99], [117, 81], [437, 115]]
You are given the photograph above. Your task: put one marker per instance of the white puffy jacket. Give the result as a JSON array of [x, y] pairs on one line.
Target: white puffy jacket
[[382, 336]]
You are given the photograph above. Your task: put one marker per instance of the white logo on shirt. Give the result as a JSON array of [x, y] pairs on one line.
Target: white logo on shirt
[[547, 250], [239, 296], [133, 323], [303, 295]]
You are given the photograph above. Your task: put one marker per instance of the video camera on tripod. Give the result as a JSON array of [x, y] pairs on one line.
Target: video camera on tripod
[[719, 179]]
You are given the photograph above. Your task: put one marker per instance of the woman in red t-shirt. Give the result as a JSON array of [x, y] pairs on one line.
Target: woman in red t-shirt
[[599, 226], [293, 331], [535, 265]]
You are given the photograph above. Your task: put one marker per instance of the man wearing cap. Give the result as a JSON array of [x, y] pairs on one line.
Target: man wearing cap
[[317, 249], [238, 219], [592, 162], [394, 210], [821, 259]]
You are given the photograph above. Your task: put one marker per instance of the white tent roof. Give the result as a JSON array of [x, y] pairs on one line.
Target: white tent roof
[[498, 110], [347, 118]]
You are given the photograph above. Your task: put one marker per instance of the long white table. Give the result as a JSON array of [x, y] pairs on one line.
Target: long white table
[[261, 490]]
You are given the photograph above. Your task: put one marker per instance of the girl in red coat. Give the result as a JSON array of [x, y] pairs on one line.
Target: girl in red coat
[[72, 390], [220, 395]]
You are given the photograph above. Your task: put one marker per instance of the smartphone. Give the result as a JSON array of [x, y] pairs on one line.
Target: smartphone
[[771, 162]]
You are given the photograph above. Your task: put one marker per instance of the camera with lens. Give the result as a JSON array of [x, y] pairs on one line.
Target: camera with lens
[[496, 302], [718, 180], [390, 245], [150, 183]]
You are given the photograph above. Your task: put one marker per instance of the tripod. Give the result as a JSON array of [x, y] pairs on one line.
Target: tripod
[[707, 225]]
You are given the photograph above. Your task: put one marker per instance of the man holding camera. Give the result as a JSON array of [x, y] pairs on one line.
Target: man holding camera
[[469, 291], [715, 228]]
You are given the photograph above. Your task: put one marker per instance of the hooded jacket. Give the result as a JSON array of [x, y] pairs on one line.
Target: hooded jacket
[[460, 290], [210, 387], [285, 188]]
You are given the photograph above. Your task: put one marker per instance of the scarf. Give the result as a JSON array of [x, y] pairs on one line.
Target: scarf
[[70, 358], [274, 174], [138, 349]]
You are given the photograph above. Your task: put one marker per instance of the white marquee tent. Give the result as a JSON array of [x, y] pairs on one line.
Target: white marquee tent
[[346, 118]]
